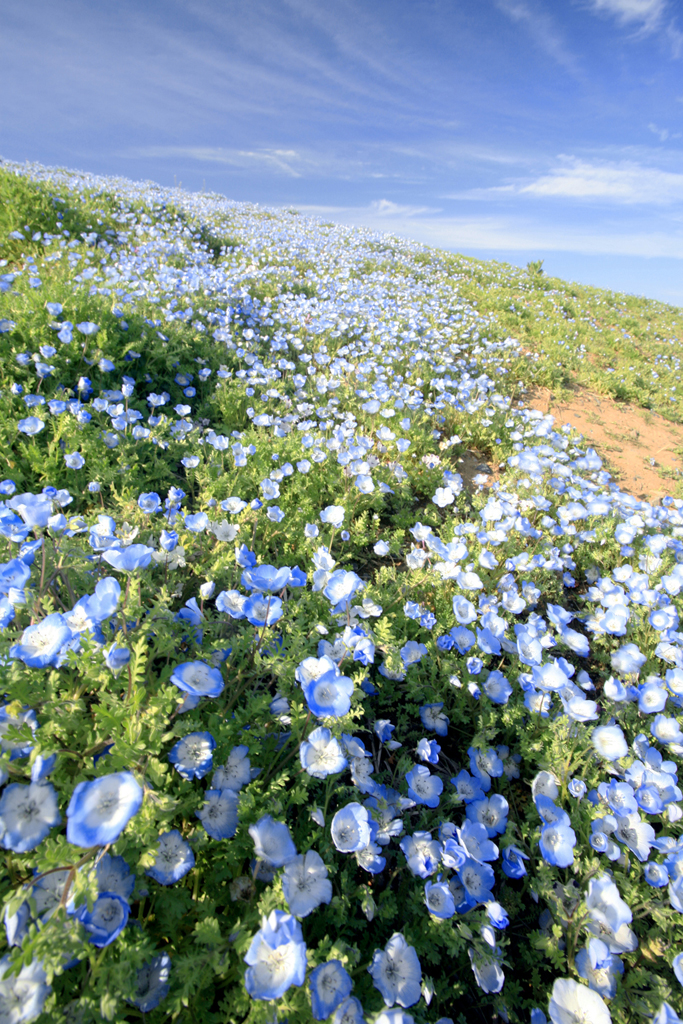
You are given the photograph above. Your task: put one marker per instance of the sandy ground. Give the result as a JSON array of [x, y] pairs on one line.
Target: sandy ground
[[627, 438]]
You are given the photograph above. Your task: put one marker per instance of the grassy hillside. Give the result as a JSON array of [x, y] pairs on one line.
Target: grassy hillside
[[339, 683]]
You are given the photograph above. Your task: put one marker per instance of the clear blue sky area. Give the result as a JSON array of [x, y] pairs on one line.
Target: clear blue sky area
[[512, 129]]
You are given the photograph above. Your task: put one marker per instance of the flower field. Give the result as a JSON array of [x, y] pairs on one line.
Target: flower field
[[338, 684]]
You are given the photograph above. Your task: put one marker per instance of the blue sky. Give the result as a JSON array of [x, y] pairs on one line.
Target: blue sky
[[507, 129]]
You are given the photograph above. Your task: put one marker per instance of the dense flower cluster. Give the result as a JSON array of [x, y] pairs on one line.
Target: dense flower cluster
[[451, 718]]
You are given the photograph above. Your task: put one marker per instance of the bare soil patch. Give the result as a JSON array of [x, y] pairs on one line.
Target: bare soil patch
[[627, 438]]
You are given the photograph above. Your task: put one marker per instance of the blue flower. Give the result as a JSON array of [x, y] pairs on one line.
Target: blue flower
[[276, 957], [557, 844], [329, 695], [351, 829], [266, 578], [396, 972], [423, 787], [27, 813], [334, 515], [260, 610], [468, 787], [114, 875], [198, 679], [433, 718], [513, 862], [130, 558], [193, 755], [439, 899], [106, 920], [305, 883], [174, 858], [31, 425], [330, 984], [218, 814], [150, 502], [152, 983], [99, 810], [272, 841], [321, 754], [116, 658], [478, 879], [40, 645], [422, 853]]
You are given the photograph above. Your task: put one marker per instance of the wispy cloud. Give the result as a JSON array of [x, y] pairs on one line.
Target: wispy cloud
[[507, 233], [544, 33], [646, 15], [626, 183]]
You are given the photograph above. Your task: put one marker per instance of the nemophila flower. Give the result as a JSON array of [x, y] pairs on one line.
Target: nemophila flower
[[305, 883], [152, 983], [573, 1003], [261, 610], [193, 755], [272, 841], [439, 900], [422, 853], [22, 995], [107, 919], [99, 810], [609, 916], [321, 755], [351, 829], [329, 695], [497, 688], [577, 788], [485, 765], [478, 879], [609, 742], [218, 814], [666, 730], [628, 660], [266, 578], [513, 862], [433, 718], [174, 858], [32, 425], [666, 1015], [656, 875], [150, 502], [428, 750], [114, 875], [557, 844], [600, 968], [635, 833], [116, 658], [330, 985], [475, 841], [468, 787], [236, 772], [130, 558], [396, 972], [17, 747], [198, 679], [423, 787], [333, 515], [27, 813], [341, 586], [276, 957], [74, 460], [487, 971], [39, 645], [87, 328], [492, 812]]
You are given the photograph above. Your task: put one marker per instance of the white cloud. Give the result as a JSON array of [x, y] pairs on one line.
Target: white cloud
[[507, 233], [543, 31], [385, 208], [645, 14], [625, 182]]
